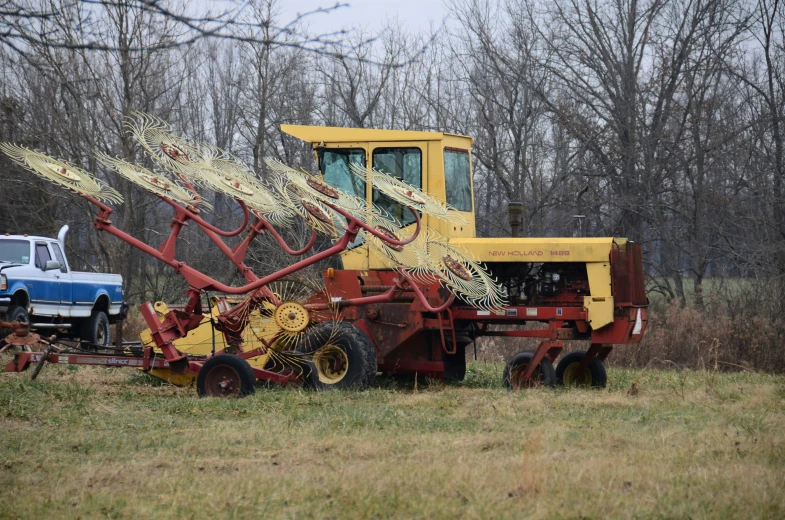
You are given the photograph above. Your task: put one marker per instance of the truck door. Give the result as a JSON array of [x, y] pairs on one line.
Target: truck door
[[45, 290], [66, 284]]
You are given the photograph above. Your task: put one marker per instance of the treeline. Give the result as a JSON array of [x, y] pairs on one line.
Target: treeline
[[666, 116]]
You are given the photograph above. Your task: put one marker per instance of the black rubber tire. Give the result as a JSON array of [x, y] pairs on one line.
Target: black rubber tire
[[545, 372], [595, 369], [14, 313], [310, 377], [360, 352], [95, 328], [241, 368]]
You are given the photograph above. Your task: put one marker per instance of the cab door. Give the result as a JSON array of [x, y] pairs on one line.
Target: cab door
[[406, 161]]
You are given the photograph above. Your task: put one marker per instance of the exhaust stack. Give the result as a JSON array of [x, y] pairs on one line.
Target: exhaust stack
[[515, 209]]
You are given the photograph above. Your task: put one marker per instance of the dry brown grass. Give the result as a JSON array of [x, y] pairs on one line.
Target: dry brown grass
[[682, 337], [110, 443]]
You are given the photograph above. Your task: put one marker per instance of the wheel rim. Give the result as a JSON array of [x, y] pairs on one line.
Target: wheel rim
[[100, 335], [569, 376], [222, 381], [332, 364], [517, 381]]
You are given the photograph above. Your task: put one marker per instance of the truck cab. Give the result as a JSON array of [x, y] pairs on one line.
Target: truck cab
[[37, 285]]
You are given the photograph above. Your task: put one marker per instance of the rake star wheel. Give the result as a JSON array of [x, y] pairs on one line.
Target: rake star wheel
[[152, 182], [62, 173], [315, 214], [317, 189], [408, 195], [458, 273], [171, 152]]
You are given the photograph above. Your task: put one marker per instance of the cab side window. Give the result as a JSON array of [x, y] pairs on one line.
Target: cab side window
[[458, 179], [41, 256], [404, 164]]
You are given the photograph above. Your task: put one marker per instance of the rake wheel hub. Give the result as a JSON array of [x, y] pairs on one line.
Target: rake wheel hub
[[410, 194], [292, 317], [174, 152], [389, 234], [457, 268], [322, 188], [64, 172]]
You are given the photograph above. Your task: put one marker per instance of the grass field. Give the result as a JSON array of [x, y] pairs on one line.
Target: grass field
[[111, 443]]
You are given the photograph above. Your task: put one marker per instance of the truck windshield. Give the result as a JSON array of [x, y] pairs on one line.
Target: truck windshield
[[334, 165], [15, 251], [458, 180]]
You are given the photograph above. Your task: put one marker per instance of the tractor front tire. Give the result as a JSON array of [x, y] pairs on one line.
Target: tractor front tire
[[95, 330], [594, 375], [343, 355], [543, 375], [226, 375]]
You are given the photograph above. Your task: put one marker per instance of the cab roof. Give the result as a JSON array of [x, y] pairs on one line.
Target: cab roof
[[335, 134], [26, 237]]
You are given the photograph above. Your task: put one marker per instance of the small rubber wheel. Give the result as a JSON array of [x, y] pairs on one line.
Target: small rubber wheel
[[96, 330], [343, 355], [15, 313], [594, 375], [512, 377], [225, 375]]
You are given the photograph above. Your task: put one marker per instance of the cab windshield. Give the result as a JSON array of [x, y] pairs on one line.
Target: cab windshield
[[15, 251], [334, 165]]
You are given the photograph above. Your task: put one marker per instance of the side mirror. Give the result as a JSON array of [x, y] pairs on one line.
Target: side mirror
[[51, 265]]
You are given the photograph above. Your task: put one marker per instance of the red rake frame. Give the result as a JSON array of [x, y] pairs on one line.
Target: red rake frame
[[177, 323]]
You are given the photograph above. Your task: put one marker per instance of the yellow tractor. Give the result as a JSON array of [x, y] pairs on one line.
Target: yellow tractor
[[589, 289]]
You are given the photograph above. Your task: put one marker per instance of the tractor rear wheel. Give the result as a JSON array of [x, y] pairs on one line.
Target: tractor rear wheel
[[512, 377], [594, 375], [343, 355], [225, 375]]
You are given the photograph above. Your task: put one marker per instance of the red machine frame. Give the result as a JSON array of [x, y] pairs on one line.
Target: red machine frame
[[413, 307]]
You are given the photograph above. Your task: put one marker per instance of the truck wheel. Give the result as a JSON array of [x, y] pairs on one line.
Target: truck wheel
[[343, 355], [226, 375], [512, 377], [96, 330], [594, 375], [15, 313]]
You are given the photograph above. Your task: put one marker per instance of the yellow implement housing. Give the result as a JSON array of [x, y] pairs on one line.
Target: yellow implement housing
[[204, 339]]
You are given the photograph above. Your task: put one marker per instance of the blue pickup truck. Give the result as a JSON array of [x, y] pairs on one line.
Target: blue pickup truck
[[38, 286]]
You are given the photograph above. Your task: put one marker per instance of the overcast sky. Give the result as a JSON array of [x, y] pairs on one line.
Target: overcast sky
[[415, 15]]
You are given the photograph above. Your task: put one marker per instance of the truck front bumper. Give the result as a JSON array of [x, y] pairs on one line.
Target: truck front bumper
[[5, 302]]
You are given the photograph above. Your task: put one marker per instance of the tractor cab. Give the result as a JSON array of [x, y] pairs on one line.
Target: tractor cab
[[436, 162]]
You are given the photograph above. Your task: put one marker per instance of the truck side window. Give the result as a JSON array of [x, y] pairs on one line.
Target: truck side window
[[59, 257], [404, 164], [41, 256], [457, 178]]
